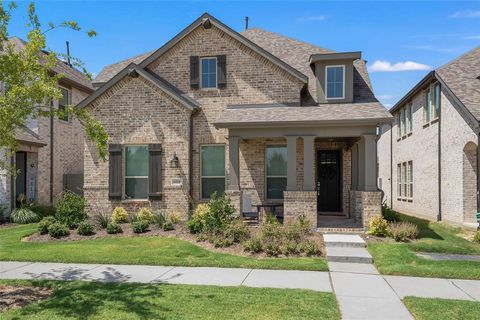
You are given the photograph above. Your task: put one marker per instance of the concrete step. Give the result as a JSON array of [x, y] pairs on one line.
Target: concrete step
[[343, 241], [334, 230], [346, 254]]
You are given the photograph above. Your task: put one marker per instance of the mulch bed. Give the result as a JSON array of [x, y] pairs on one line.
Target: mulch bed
[[20, 296], [180, 232]]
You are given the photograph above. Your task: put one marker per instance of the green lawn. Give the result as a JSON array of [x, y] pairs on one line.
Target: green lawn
[[136, 250], [89, 300], [442, 309], [399, 258]]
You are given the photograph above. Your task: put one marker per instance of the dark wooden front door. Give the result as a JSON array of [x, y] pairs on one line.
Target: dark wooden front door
[[21, 178], [328, 181]]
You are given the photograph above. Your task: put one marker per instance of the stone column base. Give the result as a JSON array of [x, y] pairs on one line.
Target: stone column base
[[236, 200], [296, 203], [364, 205]]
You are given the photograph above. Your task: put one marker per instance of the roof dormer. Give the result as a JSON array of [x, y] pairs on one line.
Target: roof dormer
[[334, 76]]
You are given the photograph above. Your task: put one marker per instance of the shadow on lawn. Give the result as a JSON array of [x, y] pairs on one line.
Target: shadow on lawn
[[424, 227]]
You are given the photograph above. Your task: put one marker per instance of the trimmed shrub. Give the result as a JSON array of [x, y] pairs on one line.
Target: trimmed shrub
[[140, 226], [476, 237], [254, 245], [304, 224], [42, 211], [23, 215], [272, 248], [102, 219], [290, 247], [146, 214], [70, 209], [403, 231], [168, 226], [310, 248], [195, 225], [221, 242], [174, 217], [113, 228], [57, 230], [237, 231], [85, 229], [160, 217], [119, 215], [45, 223], [378, 226], [219, 214]]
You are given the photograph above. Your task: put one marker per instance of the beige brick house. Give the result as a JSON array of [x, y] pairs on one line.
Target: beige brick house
[[269, 120], [50, 151], [428, 155]]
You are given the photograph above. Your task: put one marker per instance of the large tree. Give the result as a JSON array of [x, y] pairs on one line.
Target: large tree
[[28, 85]]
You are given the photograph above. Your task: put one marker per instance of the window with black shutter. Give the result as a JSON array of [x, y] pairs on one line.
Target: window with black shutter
[[115, 171], [222, 71], [155, 170], [194, 72]]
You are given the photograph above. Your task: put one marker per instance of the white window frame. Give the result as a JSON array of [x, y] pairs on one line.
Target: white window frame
[[399, 180], [216, 73], [410, 179], [326, 82], [399, 125], [224, 168], [435, 112], [132, 177], [410, 117], [427, 110], [266, 170], [69, 102]]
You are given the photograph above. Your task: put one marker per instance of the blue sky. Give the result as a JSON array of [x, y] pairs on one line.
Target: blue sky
[[393, 36]]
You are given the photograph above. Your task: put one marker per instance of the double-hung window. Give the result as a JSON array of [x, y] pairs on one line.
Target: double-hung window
[[63, 103], [399, 180], [208, 72], [405, 180], [427, 107], [410, 117], [399, 125], [335, 82], [212, 163], [276, 167], [410, 179], [437, 98], [136, 172]]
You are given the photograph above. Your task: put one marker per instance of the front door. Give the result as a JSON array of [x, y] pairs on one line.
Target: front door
[[21, 178], [328, 181]]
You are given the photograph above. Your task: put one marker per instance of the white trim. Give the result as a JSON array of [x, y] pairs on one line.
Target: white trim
[[326, 82], [216, 73], [279, 144], [125, 177], [201, 198]]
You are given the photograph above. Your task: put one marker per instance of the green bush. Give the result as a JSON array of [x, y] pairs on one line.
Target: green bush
[[85, 228], [140, 226], [160, 217], [237, 231], [403, 231], [272, 249], [102, 219], [168, 225], [146, 214], [221, 242], [254, 245], [378, 226], [476, 237], [70, 209], [389, 214], [23, 215], [304, 224], [174, 217], [113, 228], [195, 225], [42, 211], [3, 214], [45, 223], [219, 214], [310, 248], [57, 230], [290, 247], [119, 215]]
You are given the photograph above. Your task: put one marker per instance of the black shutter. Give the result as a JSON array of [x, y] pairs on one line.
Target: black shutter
[[222, 71], [194, 72], [154, 170], [115, 171]]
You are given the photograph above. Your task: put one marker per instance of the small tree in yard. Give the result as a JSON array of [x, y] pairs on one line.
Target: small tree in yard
[[28, 85]]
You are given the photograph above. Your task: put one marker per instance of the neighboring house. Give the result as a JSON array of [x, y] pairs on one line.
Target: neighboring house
[[428, 156], [257, 115], [50, 151]]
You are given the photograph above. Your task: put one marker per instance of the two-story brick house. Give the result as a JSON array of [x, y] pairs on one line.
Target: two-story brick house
[[49, 149], [254, 114], [428, 155]]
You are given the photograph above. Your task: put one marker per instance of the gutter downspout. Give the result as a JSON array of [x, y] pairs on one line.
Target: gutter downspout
[[190, 159], [51, 155], [439, 216], [391, 166]]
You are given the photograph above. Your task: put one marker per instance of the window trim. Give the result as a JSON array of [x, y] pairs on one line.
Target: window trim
[[69, 103], [216, 73], [279, 144], [326, 82], [427, 109], [224, 168], [434, 104], [405, 185], [124, 169]]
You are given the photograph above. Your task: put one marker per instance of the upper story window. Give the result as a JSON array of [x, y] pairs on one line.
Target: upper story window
[[335, 82], [427, 107], [437, 98], [404, 121], [208, 72], [409, 118], [136, 172], [63, 103]]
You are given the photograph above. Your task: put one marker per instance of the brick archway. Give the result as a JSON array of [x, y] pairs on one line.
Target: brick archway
[[469, 182]]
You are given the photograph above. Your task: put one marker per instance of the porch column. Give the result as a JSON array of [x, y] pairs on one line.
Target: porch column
[[308, 175], [355, 167], [367, 156], [234, 172], [292, 163]]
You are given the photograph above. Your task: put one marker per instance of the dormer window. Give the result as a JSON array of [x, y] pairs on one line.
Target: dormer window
[[208, 72], [335, 82]]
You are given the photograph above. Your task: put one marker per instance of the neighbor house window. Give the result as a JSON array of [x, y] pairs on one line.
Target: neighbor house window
[[399, 126], [136, 172], [427, 107], [437, 98], [404, 121], [404, 178], [410, 179], [335, 82], [63, 103], [410, 117], [212, 163], [276, 159], [208, 72], [399, 180]]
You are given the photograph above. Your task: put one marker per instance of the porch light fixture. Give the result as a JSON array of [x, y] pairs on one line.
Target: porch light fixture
[[174, 162]]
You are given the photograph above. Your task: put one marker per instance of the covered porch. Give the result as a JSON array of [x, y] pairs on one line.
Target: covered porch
[[327, 173]]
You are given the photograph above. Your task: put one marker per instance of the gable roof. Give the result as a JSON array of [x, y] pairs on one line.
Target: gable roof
[[134, 70], [110, 71], [460, 78]]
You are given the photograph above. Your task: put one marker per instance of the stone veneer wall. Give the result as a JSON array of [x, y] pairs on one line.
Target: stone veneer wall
[[364, 205], [300, 202]]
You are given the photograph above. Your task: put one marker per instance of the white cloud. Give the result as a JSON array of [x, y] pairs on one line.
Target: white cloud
[[387, 105], [385, 97], [311, 18], [466, 14], [386, 66]]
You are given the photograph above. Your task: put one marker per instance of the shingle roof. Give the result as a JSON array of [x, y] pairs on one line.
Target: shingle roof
[[462, 77], [110, 71], [70, 73], [238, 116]]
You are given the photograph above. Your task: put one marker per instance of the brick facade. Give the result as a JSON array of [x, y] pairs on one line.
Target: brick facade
[[364, 205], [298, 203]]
